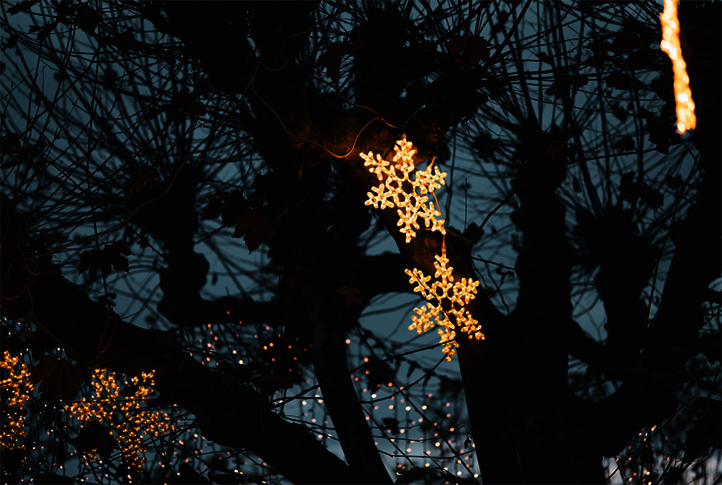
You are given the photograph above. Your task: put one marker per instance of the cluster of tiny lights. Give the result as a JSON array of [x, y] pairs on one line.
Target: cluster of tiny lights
[[18, 382], [686, 120], [391, 192], [108, 405]]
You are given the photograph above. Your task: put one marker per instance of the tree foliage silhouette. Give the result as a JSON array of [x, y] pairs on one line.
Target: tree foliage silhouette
[[145, 139]]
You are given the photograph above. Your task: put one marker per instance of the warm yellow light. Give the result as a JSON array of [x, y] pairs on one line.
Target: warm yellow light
[[686, 120], [18, 383], [407, 194], [398, 189], [458, 293], [135, 421]]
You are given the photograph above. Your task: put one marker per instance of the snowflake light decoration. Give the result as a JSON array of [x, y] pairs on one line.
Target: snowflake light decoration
[[405, 192], [136, 421], [399, 189], [444, 288], [686, 119]]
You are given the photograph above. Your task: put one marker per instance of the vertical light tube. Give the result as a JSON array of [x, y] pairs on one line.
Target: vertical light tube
[[686, 120]]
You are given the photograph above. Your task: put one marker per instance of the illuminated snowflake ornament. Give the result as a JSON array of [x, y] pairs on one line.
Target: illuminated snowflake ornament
[[686, 119], [404, 191], [444, 288], [408, 193]]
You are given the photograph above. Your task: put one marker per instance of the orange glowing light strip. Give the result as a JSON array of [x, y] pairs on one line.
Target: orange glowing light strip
[[686, 120]]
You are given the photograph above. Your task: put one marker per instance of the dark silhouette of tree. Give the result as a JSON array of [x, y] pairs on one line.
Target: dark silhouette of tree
[[183, 201]]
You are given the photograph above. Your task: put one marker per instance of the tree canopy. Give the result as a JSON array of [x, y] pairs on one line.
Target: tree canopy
[[358, 242]]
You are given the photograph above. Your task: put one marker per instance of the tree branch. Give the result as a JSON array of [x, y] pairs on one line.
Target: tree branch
[[523, 362], [229, 414], [339, 394], [696, 263]]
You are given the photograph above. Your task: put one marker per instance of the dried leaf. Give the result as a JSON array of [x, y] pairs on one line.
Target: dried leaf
[[112, 256], [350, 295], [236, 212], [88, 19], [213, 209], [233, 206], [125, 40], [23, 7], [331, 59], [653, 198], [475, 49], [11, 145], [60, 379], [544, 57], [619, 112], [43, 32], [184, 101], [621, 81], [254, 228], [625, 144]]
